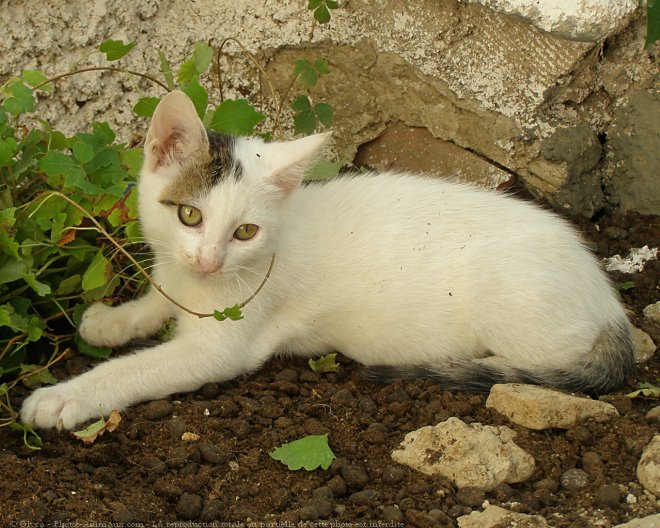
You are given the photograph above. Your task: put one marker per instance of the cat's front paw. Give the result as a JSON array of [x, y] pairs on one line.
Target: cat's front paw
[[105, 326], [58, 407]]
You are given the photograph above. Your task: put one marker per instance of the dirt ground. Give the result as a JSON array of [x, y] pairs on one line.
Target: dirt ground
[[144, 472]]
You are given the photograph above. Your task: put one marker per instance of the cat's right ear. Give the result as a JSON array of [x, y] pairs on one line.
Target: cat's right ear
[[175, 133]]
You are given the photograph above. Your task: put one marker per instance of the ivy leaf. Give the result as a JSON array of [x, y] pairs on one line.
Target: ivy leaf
[[166, 70], [197, 95], [321, 66], [301, 103], [38, 378], [98, 273], [83, 152], [235, 117], [309, 452], [197, 65], [325, 113], [233, 312], [324, 364], [35, 78], [646, 390], [304, 122], [21, 99], [8, 148], [91, 351], [115, 49], [146, 106]]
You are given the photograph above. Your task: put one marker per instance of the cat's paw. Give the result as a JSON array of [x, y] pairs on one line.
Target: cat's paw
[[105, 326], [56, 407]]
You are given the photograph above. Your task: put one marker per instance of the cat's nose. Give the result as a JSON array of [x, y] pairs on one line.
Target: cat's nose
[[209, 264]]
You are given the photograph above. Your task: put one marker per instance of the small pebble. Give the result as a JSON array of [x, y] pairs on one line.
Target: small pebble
[[653, 415], [376, 434], [580, 434], [314, 427], [167, 489], [123, 515], [287, 375], [354, 476], [190, 437], [308, 513], [592, 464], [337, 485], [176, 427], [607, 495], [158, 409], [407, 503], [421, 519], [211, 453], [364, 498], [574, 479], [324, 492], [84, 468], [367, 405], [547, 484], [343, 397], [209, 390], [189, 507], [504, 492], [393, 475], [471, 496], [392, 514]]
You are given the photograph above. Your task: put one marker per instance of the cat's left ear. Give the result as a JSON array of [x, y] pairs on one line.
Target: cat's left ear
[[175, 133], [288, 160]]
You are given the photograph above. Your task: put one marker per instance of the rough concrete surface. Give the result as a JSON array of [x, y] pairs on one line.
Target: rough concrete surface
[[484, 80]]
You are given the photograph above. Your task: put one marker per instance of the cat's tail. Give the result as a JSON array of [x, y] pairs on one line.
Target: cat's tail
[[604, 369]]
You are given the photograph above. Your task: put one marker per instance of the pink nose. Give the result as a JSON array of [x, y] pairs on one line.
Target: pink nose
[[208, 265]]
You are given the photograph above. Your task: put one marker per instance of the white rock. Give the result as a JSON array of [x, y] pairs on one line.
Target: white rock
[[496, 517], [648, 469], [587, 20], [652, 311], [539, 408], [644, 345], [654, 414], [652, 521], [634, 262], [474, 455]]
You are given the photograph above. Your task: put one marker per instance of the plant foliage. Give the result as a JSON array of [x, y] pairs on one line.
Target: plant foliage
[[309, 452]]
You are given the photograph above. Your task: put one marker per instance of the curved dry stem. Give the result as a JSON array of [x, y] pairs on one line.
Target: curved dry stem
[[151, 281], [102, 68]]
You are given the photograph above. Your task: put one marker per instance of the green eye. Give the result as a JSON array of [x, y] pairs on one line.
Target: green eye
[[246, 231], [189, 215]]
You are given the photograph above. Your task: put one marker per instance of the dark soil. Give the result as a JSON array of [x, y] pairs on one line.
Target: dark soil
[[144, 472]]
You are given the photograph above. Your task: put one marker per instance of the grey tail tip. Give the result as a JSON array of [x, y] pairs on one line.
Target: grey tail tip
[[604, 369]]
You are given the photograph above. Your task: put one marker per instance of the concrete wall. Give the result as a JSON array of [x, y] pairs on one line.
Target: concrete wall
[[566, 98]]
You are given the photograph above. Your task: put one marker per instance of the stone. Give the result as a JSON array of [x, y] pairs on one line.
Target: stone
[[365, 497], [644, 346], [355, 477], [471, 496], [586, 20], [392, 514], [648, 469], [473, 455], [652, 521], [189, 506], [158, 409], [574, 479], [414, 149], [496, 517], [652, 312], [607, 495], [654, 414], [540, 408]]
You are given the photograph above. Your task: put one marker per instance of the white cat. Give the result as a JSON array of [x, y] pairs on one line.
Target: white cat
[[410, 275]]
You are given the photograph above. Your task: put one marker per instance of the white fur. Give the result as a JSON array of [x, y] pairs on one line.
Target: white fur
[[389, 269]]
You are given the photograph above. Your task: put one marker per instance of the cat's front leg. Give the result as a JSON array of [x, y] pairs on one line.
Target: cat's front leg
[[113, 326], [181, 365]]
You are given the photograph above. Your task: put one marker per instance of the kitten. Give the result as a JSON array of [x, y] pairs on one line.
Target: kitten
[[411, 276]]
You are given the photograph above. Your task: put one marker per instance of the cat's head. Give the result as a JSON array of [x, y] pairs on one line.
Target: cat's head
[[210, 202]]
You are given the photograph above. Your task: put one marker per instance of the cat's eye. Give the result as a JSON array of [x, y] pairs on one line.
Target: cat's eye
[[246, 231], [189, 215]]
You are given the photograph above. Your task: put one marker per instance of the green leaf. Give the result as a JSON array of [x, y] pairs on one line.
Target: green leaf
[[321, 66], [646, 390], [91, 351], [103, 133], [98, 273], [304, 122], [132, 159], [235, 117], [324, 364], [21, 100], [233, 312], [309, 452], [166, 70], [197, 95], [652, 22], [301, 65], [325, 114], [35, 78], [83, 152], [39, 378], [55, 163], [39, 288], [322, 15], [92, 430], [323, 170], [115, 49], [8, 245], [309, 78], [30, 438], [313, 4], [198, 64], [624, 286], [146, 106], [301, 103]]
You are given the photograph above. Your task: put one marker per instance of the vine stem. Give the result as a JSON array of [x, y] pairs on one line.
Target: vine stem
[[151, 281], [102, 68]]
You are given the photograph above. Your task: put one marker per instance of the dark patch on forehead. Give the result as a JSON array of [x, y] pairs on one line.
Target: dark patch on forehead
[[205, 169]]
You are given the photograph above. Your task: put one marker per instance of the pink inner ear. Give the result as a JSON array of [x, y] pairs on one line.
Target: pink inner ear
[[169, 151]]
